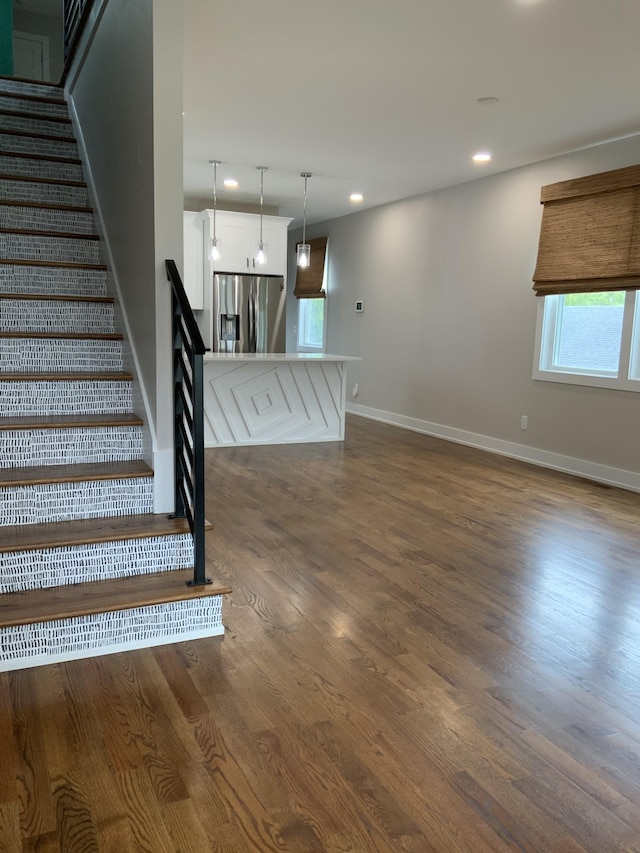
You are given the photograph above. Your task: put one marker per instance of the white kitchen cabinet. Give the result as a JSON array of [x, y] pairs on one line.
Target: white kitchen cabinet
[[193, 259], [238, 235]]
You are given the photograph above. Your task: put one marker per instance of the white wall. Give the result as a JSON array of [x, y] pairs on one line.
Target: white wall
[[45, 25], [126, 92], [447, 334]]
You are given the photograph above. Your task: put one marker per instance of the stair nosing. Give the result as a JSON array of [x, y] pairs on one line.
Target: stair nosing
[[35, 116], [60, 102], [36, 179], [22, 262], [82, 472], [64, 336], [49, 137], [35, 232], [70, 161], [73, 600], [9, 78], [116, 528], [41, 422], [55, 297], [70, 376], [40, 205]]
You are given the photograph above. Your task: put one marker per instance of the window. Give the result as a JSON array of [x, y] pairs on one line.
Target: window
[[590, 339], [311, 314]]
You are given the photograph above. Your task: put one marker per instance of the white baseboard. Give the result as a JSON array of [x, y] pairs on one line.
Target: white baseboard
[[618, 477]]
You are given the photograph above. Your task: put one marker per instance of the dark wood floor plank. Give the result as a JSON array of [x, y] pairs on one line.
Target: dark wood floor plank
[[428, 649], [33, 793], [10, 836]]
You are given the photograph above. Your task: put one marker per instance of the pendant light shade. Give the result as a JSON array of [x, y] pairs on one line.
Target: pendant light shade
[[304, 249], [261, 253], [214, 249]]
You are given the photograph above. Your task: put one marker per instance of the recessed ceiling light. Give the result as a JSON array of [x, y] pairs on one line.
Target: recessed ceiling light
[[231, 183], [356, 198], [481, 157]]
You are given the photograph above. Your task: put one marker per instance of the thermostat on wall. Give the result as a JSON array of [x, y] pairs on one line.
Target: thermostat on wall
[[359, 306]]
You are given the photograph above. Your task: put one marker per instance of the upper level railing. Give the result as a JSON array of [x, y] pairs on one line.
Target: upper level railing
[[188, 349]]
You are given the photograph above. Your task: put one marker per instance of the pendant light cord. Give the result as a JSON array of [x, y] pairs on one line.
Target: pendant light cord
[[262, 170], [304, 211]]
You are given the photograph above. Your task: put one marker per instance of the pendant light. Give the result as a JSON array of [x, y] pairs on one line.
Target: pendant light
[[304, 249], [214, 250], [261, 254]]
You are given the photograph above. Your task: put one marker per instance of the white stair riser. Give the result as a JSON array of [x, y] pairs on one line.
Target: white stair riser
[[59, 282], [40, 355], [106, 633], [44, 397], [31, 145], [26, 105], [43, 193], [25, 447], [53, 502], [45, 219], [49, 567], [37, 125], [27, 247], [40, 168], [39, 315], [37, 89]]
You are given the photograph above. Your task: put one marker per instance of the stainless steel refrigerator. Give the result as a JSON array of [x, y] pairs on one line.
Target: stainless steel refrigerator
[[248, 313]]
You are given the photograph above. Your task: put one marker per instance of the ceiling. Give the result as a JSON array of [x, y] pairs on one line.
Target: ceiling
[[382, 97]]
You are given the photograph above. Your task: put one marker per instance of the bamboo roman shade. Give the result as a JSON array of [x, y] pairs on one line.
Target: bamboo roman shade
[[590, 234], [309, 279]]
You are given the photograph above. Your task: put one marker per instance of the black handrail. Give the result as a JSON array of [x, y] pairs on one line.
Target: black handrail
[[75, 12], [188, 411]]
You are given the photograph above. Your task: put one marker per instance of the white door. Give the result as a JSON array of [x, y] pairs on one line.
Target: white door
[[30, 56]]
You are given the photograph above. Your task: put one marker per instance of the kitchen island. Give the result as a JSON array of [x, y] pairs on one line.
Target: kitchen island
[[273, 398]]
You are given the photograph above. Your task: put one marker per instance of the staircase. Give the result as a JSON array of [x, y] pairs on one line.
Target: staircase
[[86, 568]]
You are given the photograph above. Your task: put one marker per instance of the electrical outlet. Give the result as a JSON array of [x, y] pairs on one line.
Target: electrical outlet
[[355, 389], [524, 421]]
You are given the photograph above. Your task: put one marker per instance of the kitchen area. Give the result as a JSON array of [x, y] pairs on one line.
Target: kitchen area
[[255, 391]]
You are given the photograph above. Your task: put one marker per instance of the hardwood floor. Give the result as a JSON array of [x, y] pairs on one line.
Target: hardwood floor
[[429, 649]]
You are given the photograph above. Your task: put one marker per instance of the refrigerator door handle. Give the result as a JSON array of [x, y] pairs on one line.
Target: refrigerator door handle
[[253, 340]]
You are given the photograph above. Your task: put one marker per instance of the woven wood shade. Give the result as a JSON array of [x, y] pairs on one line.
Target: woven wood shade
[[309, 279], [590, 234]]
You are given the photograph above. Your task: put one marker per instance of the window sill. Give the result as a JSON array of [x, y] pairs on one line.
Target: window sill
[[588, 380]]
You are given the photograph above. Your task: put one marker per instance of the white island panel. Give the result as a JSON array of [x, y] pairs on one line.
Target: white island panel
[[273, 399]]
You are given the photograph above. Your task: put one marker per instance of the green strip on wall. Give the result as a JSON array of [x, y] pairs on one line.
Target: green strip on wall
[[6, 37]]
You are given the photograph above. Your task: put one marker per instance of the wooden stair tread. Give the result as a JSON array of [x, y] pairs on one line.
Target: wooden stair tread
[[73, 161], [10, 78], [63, 534], [45, 205], [35, 116], [71, 376], [55, 297], [39, 98], [81, 336], [20, 422], [20, 262], [39, 475], [35, 232], [30, 135], [34, 179], [66, 602]]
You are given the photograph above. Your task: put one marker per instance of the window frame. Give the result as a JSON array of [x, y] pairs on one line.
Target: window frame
[[627, 377]]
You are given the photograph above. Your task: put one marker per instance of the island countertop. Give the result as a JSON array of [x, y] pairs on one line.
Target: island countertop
[[273, 398], [277, 356]]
